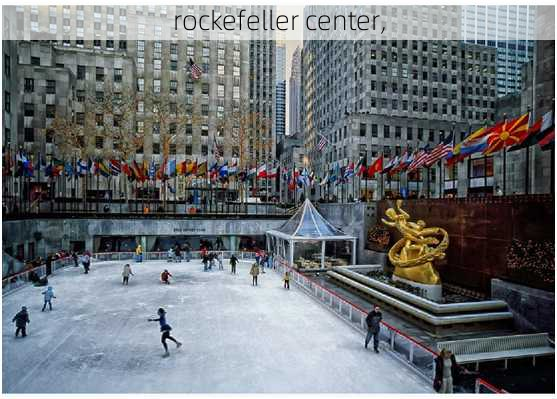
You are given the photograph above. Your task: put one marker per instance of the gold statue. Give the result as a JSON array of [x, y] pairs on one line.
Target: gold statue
[[413, 254]]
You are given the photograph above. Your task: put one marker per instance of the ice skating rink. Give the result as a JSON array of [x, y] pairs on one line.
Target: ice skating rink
[[236, 338]]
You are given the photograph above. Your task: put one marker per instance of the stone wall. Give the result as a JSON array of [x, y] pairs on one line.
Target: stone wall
[[481, 231], [533, 309], [57, 233]]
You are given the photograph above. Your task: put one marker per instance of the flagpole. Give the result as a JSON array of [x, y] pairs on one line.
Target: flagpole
[[504, 163], [527, 163]]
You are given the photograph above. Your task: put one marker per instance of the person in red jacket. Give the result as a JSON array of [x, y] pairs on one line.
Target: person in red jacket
[[165, 277]]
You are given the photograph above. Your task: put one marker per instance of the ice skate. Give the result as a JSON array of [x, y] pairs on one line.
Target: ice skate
[[178, 344], [166, 354]]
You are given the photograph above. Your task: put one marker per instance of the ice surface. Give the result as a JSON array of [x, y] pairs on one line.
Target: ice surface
[[237, 338]]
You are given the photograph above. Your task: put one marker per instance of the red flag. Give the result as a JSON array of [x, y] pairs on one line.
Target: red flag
[[126, 169], [507, 133], [375, 167]]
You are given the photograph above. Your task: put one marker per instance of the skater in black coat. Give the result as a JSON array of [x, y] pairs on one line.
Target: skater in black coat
[[373, 321], [21, 319]]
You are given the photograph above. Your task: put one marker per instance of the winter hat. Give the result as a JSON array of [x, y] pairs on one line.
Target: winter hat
[[161, 311]]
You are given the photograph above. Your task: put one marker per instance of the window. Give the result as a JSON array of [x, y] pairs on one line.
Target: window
[[50, 87], [386, 131], [374, 130], [189, 87], [99, 119], [409, 134], [7, 66], [174, 86], [29, 133], [205, 88], [49, 136], [35, 61], [189, 129], [481, 167], [80, 96], [205, 109], [204, 130], [204, 150], [99, 142], [51, 111], [363, 129], [118, 74], [29, 85], [156, 86], [188, 149], [28, 109], [80, 118], [81, 72], [173, 65], [156, 128], [140, 84], [99, 96], [99, 74], [156, 148]]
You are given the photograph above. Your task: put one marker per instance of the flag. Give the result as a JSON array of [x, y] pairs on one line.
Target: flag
[[171, 168], [152, 170], [232, 170], [507, 133], [325, 180], [251, 172], [138, 172], [126, 170], [104, 170], [82, 167], [262, 172], [171, 189], [375, 167], [68, 169], [401, 164], [202, 169], [533, 131], [390, 165], [322, 142], [361, 166], [223, 171], [546, 136], [195, 70], [115, 167], [441, 150], [272, 174], [349, 171], [419, 159]]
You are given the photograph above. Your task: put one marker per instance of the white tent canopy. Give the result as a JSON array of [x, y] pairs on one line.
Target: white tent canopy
[[307, 225]]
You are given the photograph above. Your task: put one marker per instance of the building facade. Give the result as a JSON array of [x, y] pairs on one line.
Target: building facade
[[507, 28], [294, 96], [280, 118]]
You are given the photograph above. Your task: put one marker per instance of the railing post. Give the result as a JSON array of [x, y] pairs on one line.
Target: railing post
[[392, 339], [362, 321], [350, 312], [477, 386], [411, 354]]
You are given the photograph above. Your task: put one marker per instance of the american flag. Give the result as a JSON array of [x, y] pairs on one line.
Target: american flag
[[419, 159], [440, 151], [322, 143], [195, 70]]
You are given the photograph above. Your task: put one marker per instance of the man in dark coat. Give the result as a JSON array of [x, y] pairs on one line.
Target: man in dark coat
[[233, 263], [21, 319], [373, 321]]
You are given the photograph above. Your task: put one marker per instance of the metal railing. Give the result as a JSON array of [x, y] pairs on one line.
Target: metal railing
[[416, 354], [120, 256], [483, 386]]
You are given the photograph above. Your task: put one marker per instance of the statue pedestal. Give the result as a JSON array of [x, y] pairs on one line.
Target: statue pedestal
[[431, 291]]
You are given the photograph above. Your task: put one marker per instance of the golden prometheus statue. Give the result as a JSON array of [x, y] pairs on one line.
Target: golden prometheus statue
[[413, 254]]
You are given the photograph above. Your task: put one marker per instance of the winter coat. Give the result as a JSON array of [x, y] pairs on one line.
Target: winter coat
[[233, 260], [165, 275], [163, 324], [138, 250], [254, 271], [48, 294], [286, 276], [86, 259], [455, 372], [177, 251], [373, 321], [21, 319], [127, 271]]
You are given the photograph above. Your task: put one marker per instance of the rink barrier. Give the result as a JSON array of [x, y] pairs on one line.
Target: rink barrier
[[20, 279], [406, 348]]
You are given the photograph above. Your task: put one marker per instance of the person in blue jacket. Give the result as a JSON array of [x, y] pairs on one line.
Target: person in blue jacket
[[48, 295], [165, 329]]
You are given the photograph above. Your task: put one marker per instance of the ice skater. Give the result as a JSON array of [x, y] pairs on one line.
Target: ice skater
[[126, 274], [205, 261], [139, 254], [178, 253], [21, 319], [165, 277], [48, 295], [219, 260], [373, 321], [165, 329], [233, 263], [286, 279], [254, 271], [170, 255], [86, 260]]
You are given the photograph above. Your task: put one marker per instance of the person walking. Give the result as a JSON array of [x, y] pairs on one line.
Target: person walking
[[373, 321], [86, 260], [48, 295], [21, 319], [211, 260], [178, 253], [165, 277], [165, 329], [75, 259], [233, 263], [126, 274], [139, 254], [219, 260], [286, 279], [447, 372], [254, 271]]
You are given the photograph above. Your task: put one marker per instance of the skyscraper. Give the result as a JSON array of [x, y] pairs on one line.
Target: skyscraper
[[280, 118], [509, 29], [295, 94]]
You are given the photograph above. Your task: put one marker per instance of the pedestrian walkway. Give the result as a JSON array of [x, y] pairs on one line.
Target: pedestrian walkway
[[237, 338]]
